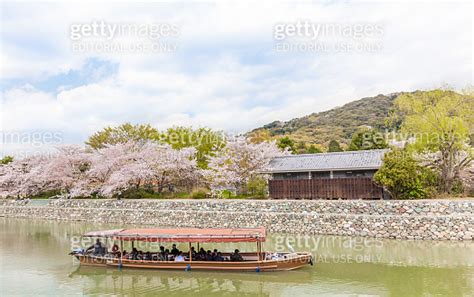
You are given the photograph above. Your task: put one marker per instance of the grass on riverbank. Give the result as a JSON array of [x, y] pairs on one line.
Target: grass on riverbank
[[198, 193]]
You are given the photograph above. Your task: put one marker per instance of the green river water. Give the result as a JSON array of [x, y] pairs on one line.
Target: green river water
[[34, 262]]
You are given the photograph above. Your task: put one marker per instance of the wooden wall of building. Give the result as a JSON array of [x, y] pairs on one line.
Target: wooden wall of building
[[325, 188]]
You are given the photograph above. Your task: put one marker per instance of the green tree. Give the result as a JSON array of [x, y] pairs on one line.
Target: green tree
[[205, 140], [257, 187], [121, 134], [404, 177], [367, 139], [260, 135], [286, 143], [314, 150], [6, 160], [301, 148], [334, 146], [440, 122]]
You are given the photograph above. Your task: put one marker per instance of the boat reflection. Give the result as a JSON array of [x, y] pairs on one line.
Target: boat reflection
[[100, 280], [323, 278]]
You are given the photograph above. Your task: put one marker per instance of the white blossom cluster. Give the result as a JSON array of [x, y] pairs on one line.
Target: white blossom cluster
[[106, 172]]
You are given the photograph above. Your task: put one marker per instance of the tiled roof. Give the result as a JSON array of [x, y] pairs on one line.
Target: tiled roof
[[371, 159]]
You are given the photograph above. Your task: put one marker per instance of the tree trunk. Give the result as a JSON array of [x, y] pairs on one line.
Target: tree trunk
[[449, 168]]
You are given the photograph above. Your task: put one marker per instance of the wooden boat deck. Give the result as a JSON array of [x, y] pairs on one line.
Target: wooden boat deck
[[250, 263]]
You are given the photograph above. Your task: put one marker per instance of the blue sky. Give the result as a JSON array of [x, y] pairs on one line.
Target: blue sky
[[92, 70], [225, 72]]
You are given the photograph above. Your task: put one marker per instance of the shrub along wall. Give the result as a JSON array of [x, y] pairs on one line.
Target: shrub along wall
[[401, 219]]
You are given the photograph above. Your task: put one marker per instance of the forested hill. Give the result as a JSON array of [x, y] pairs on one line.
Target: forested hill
[[336, 124]]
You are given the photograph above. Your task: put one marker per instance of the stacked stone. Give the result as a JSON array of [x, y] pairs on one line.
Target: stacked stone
[[398, 219]]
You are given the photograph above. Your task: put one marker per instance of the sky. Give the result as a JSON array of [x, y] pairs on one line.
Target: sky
[[231, 66]]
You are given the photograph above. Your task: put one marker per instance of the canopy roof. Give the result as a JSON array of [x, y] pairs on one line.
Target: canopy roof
[[184, 235], [354, 160]]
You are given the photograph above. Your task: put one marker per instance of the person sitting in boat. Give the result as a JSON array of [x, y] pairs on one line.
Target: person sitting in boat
[[202, 254], [147, 256], [193, 252], [162, 254], [179, 257], [97, 248], [219, 257], [115, 250], [208, 255], [236, 257], [214, 255], [167, 255], [134, 254], [174, 250], [197, 256]]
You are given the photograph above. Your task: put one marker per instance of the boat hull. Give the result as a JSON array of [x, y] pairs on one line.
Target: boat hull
[[289, 263]]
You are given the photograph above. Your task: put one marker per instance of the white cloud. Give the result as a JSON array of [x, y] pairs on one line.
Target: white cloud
[[226, 74]]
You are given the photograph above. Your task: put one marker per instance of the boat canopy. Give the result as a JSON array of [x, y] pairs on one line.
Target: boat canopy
[[184, 235]]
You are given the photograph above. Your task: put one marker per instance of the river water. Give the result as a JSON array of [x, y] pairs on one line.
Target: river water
[[34, 261]]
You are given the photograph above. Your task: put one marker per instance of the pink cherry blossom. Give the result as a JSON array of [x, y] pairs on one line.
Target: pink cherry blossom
[[111, 170], [239, 161]]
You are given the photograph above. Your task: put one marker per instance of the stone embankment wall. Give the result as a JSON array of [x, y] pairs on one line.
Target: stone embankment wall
[[420, 219]]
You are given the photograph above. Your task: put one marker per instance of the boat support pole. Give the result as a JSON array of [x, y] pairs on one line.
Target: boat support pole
[[120, 254], [259, 250], [190, 253]]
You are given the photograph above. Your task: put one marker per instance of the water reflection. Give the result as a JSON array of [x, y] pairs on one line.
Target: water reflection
[[35, 252], [116, 281], [365, 278], [339, 249]]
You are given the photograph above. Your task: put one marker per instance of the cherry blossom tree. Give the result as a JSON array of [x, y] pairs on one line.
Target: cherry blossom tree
[[113, 169], [240, 161], [23, 177], [105, 162], [58, 172], [131, 165], [66, 169], [123, 166], [172, 167]]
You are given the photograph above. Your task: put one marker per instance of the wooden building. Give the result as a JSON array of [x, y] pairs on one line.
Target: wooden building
[[341, 175]]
